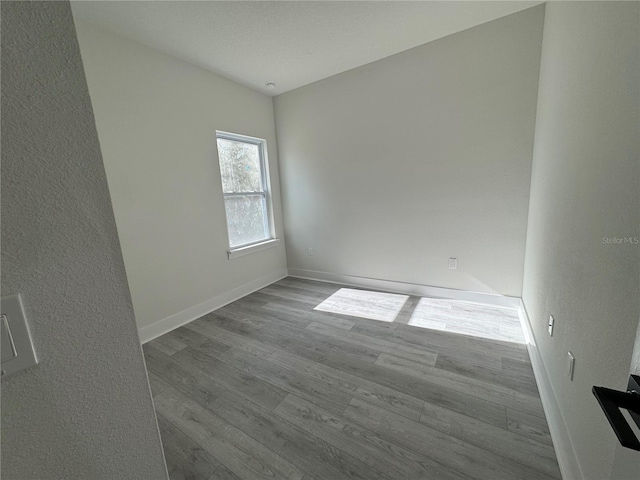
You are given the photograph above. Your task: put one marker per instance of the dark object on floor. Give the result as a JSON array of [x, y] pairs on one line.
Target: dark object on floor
[[612, 401]]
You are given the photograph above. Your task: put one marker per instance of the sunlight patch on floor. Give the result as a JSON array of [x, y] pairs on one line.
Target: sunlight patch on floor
[[452, 316], [384, 307], [455, 316]]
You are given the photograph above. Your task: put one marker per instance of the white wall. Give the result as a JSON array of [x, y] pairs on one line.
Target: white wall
[[585, 186], [391, 168], [85, 411], [156, 118]]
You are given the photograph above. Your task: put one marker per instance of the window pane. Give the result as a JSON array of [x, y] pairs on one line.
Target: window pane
[[246, 219], [239, 166]]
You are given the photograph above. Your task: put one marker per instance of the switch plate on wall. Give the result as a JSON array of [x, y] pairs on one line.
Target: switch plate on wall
[[8, 347], [310, 251], [572, 362], [552, 321], [453, 263], [17, 348]]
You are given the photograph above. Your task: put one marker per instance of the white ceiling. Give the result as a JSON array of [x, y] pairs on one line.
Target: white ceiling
[[290, 43]]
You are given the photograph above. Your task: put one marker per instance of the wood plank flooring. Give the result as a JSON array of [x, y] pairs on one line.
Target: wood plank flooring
[[269, 388]]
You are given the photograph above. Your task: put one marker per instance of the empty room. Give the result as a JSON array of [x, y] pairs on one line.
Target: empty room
[[320, 240]]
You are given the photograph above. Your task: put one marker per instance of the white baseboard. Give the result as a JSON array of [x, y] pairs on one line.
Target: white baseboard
[[408, 288], [566, 455], [176, 320]]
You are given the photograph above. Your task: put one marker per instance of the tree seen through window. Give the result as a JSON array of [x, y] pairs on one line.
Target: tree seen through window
[[244, 185]]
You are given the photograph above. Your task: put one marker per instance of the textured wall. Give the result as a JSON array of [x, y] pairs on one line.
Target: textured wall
[[157, 118], [85, 411], [391, 168], [584, 189]]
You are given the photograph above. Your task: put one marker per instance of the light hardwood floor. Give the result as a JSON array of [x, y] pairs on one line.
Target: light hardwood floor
[[269, 388]]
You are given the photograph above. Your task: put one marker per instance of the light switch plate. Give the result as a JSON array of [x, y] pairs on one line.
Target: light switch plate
[[16, 348], [572, 362], [453, 263], [8, 348]]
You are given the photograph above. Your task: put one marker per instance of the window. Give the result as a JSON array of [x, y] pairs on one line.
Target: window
[[245, 185]]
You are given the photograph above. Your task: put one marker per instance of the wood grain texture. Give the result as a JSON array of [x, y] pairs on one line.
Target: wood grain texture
[[266, 387], [288, 380], [412, 353], [185, 458], [404, 404], [189, 381], [362, 443], [158, 385], [291, 442], [446, 449], [222, 473], [479, 388], [168, 344], [236, 450]]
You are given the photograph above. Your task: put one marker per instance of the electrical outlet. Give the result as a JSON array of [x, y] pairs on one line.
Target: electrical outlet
[[310, 251], [551, 323], [572, 362], [453, 264]]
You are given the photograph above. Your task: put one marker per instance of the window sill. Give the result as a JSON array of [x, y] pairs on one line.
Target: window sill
[[242, 251]]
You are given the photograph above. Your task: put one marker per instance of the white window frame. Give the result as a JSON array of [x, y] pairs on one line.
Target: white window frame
[[271, 240]]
